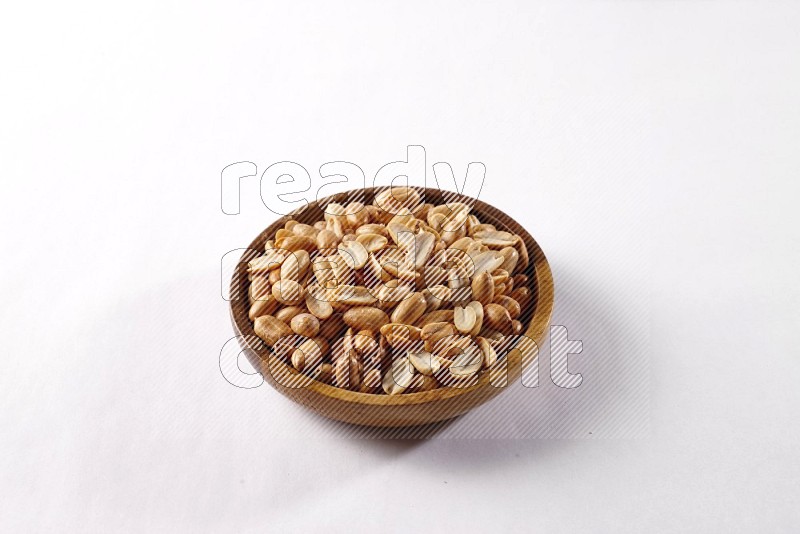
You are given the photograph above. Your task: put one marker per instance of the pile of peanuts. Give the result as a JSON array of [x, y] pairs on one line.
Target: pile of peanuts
[[392, 297]]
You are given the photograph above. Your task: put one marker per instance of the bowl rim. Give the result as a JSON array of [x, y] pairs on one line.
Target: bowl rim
[[263, 360]]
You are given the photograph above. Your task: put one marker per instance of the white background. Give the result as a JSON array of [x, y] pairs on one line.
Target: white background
[[650, 147]]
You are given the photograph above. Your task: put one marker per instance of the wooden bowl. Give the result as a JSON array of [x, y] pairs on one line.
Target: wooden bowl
[[409, 408]]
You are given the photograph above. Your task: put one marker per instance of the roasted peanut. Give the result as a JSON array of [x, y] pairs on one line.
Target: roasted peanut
[[305, 325], [270, 329], [391, 296]]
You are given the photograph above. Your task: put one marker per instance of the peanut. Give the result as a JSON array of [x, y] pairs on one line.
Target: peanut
[[497, 317], [271, 329], [510, 304], [366, 318], [410, 309], [287, 314], [483, 288], [395, 296], [305, 325]]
